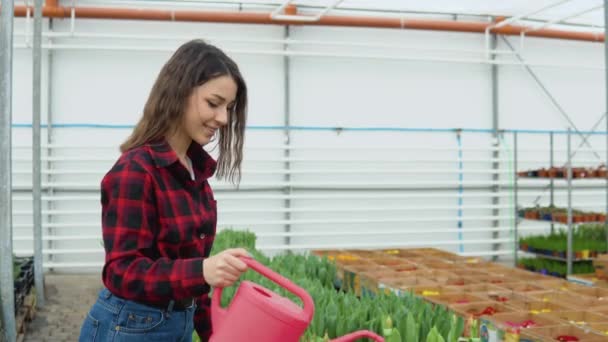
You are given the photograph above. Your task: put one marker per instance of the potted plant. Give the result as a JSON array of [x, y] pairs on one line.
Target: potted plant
[[577, 216], [552, 172], [523, 244], [600, 172], [532, 213], [545, 213]]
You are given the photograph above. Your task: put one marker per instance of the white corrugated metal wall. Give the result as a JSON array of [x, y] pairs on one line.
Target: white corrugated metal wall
[[364, 187]]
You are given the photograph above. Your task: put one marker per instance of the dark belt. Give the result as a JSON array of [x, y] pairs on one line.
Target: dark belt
[[173, 305]]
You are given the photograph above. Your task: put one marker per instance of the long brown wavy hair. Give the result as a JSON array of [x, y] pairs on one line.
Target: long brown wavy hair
[[193, 64]]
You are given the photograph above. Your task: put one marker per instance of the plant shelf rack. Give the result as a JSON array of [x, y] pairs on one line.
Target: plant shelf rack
[[568, 177]]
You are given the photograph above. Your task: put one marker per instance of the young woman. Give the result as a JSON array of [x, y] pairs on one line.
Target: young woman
[[158, 212]]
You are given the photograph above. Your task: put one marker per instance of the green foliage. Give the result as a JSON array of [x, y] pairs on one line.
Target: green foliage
[[398, 318], [554, 266], [229, 238], [591, 237]]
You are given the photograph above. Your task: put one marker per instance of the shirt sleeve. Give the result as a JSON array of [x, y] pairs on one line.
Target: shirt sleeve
[[202, 315], [129, 223]]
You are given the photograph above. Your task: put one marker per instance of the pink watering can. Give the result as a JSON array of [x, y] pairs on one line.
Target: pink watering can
[[258, 314]]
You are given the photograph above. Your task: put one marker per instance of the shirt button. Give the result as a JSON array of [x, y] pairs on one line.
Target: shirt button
[[202, 236]]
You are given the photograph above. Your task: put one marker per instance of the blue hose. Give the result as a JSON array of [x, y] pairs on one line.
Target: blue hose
[[329, 128]]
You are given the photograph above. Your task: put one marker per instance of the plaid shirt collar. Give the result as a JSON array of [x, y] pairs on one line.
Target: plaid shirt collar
[[203, 164]]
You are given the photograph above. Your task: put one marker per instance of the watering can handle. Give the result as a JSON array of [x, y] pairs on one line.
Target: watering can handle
[[357, 335], [217, 312]]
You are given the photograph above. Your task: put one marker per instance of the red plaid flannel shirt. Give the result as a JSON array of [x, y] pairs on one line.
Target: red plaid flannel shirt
[[158, 226]]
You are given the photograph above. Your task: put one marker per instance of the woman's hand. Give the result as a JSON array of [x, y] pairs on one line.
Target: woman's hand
[[223, 269]]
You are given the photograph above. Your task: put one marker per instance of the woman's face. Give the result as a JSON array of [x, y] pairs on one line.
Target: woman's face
[[208, 108]]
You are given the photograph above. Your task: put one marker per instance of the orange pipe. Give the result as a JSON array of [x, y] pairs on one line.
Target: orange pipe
[[52, 10]]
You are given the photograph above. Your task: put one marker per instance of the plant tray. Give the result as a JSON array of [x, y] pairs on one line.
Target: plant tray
[[537, 307], [418, 261], [489, 279], [437, 265], [547, 296], [472, 272], [553, 333], [429, 290], [349, 259], [362, 253], [448, 299], [521, 287], [501, 297], [507, 326], [602, 310], [403, 267], [519, 275], [350, 276], [471, 313], [476, 310], [389, 261], [481, 288], [369, 279], [460, 281], [580, 318], [597, 293], [400, 285], [555, 284], [565, 298], [400, 253], [425, 252], [438, 276], [580, 301], [599, 328]]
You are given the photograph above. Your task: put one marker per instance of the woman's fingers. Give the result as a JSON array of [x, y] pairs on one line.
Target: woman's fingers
[[236, 263], [225, 268]]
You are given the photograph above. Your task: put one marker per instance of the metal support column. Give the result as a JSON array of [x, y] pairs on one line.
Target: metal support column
[[50, 192], [552, 182], [7, 296], [569, 168], [495, 152], [287, 141], [606, 111], [36, 156], [515, 199]]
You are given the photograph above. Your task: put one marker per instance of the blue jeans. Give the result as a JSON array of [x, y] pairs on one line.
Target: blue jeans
[[115, 319]]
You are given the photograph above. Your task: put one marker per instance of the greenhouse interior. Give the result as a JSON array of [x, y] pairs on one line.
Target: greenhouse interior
[[303, 170]]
